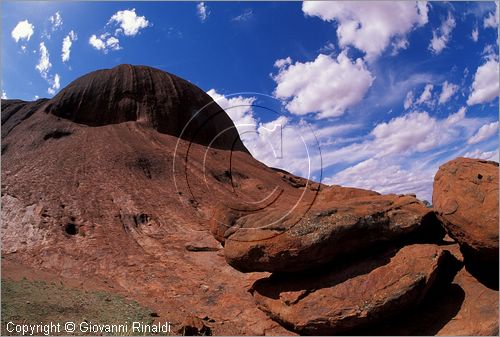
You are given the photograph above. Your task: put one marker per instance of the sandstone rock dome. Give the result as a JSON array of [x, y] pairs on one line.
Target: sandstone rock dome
[[150, 96]]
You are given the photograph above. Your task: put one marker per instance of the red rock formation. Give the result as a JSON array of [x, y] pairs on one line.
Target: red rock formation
[[465, 197], [341, 222], [335, 300], [84, 196], [151, 97], [101, 183]]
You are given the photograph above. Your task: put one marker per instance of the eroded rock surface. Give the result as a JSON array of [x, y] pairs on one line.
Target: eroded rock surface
[[465, 197], [341, 222], [150, 96], [337, 299]]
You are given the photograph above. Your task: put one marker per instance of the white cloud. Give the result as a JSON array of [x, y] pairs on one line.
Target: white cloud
[[22, 31], [485, 86], [426, 95], [97, 43], [449, 89], [400, 156], [55, 84], [104, 42], [113, 43], [408, 100], [282, 62], [56, 20], [485, 155], [130, 24], [44, 64], [238, 108], [491, 21], [44, 67], [370, 25], [441, 36], [66, 45], [475, 34], [245, 16], [456, 117], [485, 132], [326, 86], [386, 175], [4, 95], [415, 131], [282, 142], [203, 11]]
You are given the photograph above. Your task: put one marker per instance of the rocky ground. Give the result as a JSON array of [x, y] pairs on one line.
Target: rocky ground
[[124, 182]]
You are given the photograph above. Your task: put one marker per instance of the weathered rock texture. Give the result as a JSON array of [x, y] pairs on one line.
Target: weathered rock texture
[[111, 184], [463, 308], [151, 97], [465, 197], [341, 222], [339, 299], [85, 196]]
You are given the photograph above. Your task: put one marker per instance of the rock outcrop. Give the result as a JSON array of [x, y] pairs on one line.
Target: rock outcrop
[[339, 299], [465, 198], [96, 184], [342, 222], [119, 181], [150, 96]]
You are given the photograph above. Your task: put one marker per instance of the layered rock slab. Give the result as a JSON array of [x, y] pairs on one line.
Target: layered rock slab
[[342, 222], [465, 197], [354, 295], [464, 307]]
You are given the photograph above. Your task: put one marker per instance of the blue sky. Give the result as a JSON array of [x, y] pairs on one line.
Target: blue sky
[[366, 94]]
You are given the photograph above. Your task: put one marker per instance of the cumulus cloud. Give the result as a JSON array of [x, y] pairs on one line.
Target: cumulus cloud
[[475, 34], [400, 155], [441, 36], [130, 24], [66, 45], [44, 64], [238, 108], [485, 86], [385, 175], [415, 131], [326, 86], [104, 42], [485, 132], [449, 89], [113, 43], [4, 95], [203, 11], [370, 25], [282, 142], [426, 95], [22, 31]]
